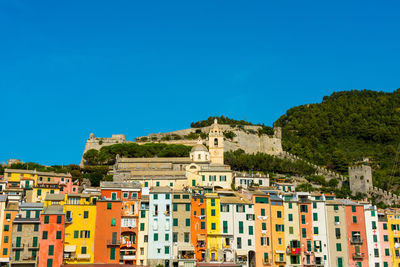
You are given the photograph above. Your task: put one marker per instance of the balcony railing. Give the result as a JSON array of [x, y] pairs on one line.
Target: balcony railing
[[356, 240], [358, 256], [267, 262], [113, 242], [280, 260], [293, 251], [68, 220], [33, 246], [18, 246]]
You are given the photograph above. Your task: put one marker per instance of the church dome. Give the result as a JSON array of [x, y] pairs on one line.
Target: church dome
[[199, 147]]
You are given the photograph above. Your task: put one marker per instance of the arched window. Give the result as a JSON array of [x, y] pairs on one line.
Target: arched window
[[216, 142], [199, 156]]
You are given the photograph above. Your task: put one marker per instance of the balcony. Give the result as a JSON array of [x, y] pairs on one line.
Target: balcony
[[293, 251], [17, 246], [33, 246], [267, 262], [113, 242], [68, 220], [356, 240], [83, 257], [358, 256], [280, 260], [128, 257]]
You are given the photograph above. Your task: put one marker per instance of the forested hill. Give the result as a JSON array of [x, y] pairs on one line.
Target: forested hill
[[346, 127]]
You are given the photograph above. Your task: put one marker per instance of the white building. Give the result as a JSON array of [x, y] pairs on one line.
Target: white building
[[245, 180], [320, 230], [373, 236], [160, 227]]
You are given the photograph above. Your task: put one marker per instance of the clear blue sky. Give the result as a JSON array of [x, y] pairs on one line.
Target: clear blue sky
[[69, 68]]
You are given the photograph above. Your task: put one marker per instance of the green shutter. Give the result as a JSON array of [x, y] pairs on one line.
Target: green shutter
[[225, 227], [51, 250], [251, 230], [76, 234], [112, 254]]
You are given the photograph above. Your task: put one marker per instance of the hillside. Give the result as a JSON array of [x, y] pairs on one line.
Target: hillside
[[345, 128]]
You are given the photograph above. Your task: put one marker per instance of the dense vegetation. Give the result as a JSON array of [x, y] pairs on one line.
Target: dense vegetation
[[233, 123], [345, 128], [106, 155], [240, 161]]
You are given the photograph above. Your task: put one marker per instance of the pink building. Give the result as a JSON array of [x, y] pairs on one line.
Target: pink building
[[66, 185], [384, 238]]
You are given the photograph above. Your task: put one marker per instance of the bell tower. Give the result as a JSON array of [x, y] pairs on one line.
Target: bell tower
[[216, 144]]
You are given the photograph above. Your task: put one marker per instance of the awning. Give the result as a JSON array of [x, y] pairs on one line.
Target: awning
[[70, 248], [241, 252], [201, 237], [185, 248], [84, 256], [280, 251]]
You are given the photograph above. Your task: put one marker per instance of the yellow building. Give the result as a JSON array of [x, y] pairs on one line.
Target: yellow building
[[394, 237], [277, 230], [30, 178], [214, 243], [38, 193], [80, 210]]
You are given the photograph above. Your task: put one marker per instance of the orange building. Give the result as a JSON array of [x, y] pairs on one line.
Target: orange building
[[117, 217], [277, 230], [263, 242], [52, 232], [199, 227], [10, 212], [356, 234], [306, 230]]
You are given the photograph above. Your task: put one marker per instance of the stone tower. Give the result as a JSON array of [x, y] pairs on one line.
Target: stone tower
[[216, 144], [360, 179]]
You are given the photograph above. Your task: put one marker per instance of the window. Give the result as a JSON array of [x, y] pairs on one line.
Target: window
[[59, 219], [290, 217], [19, 228], [125, 195], [85, 234], [167, 196], [113, 222], [385, 226], [337, 232], [46, 219], [262, 212], [314, 205], [386, 238], [291, 230], [316, 231], [5, 239], [290, 206], [35, 241], [251, 230], [239, 243], [304, 232], [39, 192], [6, 227], [86, 214], [203, 178], [203, 212], [279, 214], [49, 262], [212, 212], [166, 249], [354, 218], [187, 207], [373, 225], [146, 184], [175, 207], [315, 217], [337, 220], [187, 222], [193, 182], [213, 226], [340, 262], [44, 235], [335, 207], [112, 254], [353, 208], [387, 252], [264, 226], [174, 237], [175, 222], [155, 237], [225, 227], [58, 235], [51, 250], [303, 219], [240, 227], [5, 251], [376, 253], [76, 234], [338, 247], [202, 225], [212, 202], [155, 196], [186, 237], [109, 206], [303, 208], [166, 237], [141, 226], [375, 238]]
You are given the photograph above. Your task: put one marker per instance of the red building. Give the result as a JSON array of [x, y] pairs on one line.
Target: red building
[[52, 232], [306, 231], [356, 235]]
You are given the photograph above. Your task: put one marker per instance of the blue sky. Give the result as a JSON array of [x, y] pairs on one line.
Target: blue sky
[[69, 68]]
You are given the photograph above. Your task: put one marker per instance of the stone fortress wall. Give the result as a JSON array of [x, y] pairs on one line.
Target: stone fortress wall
[[246, 139]]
